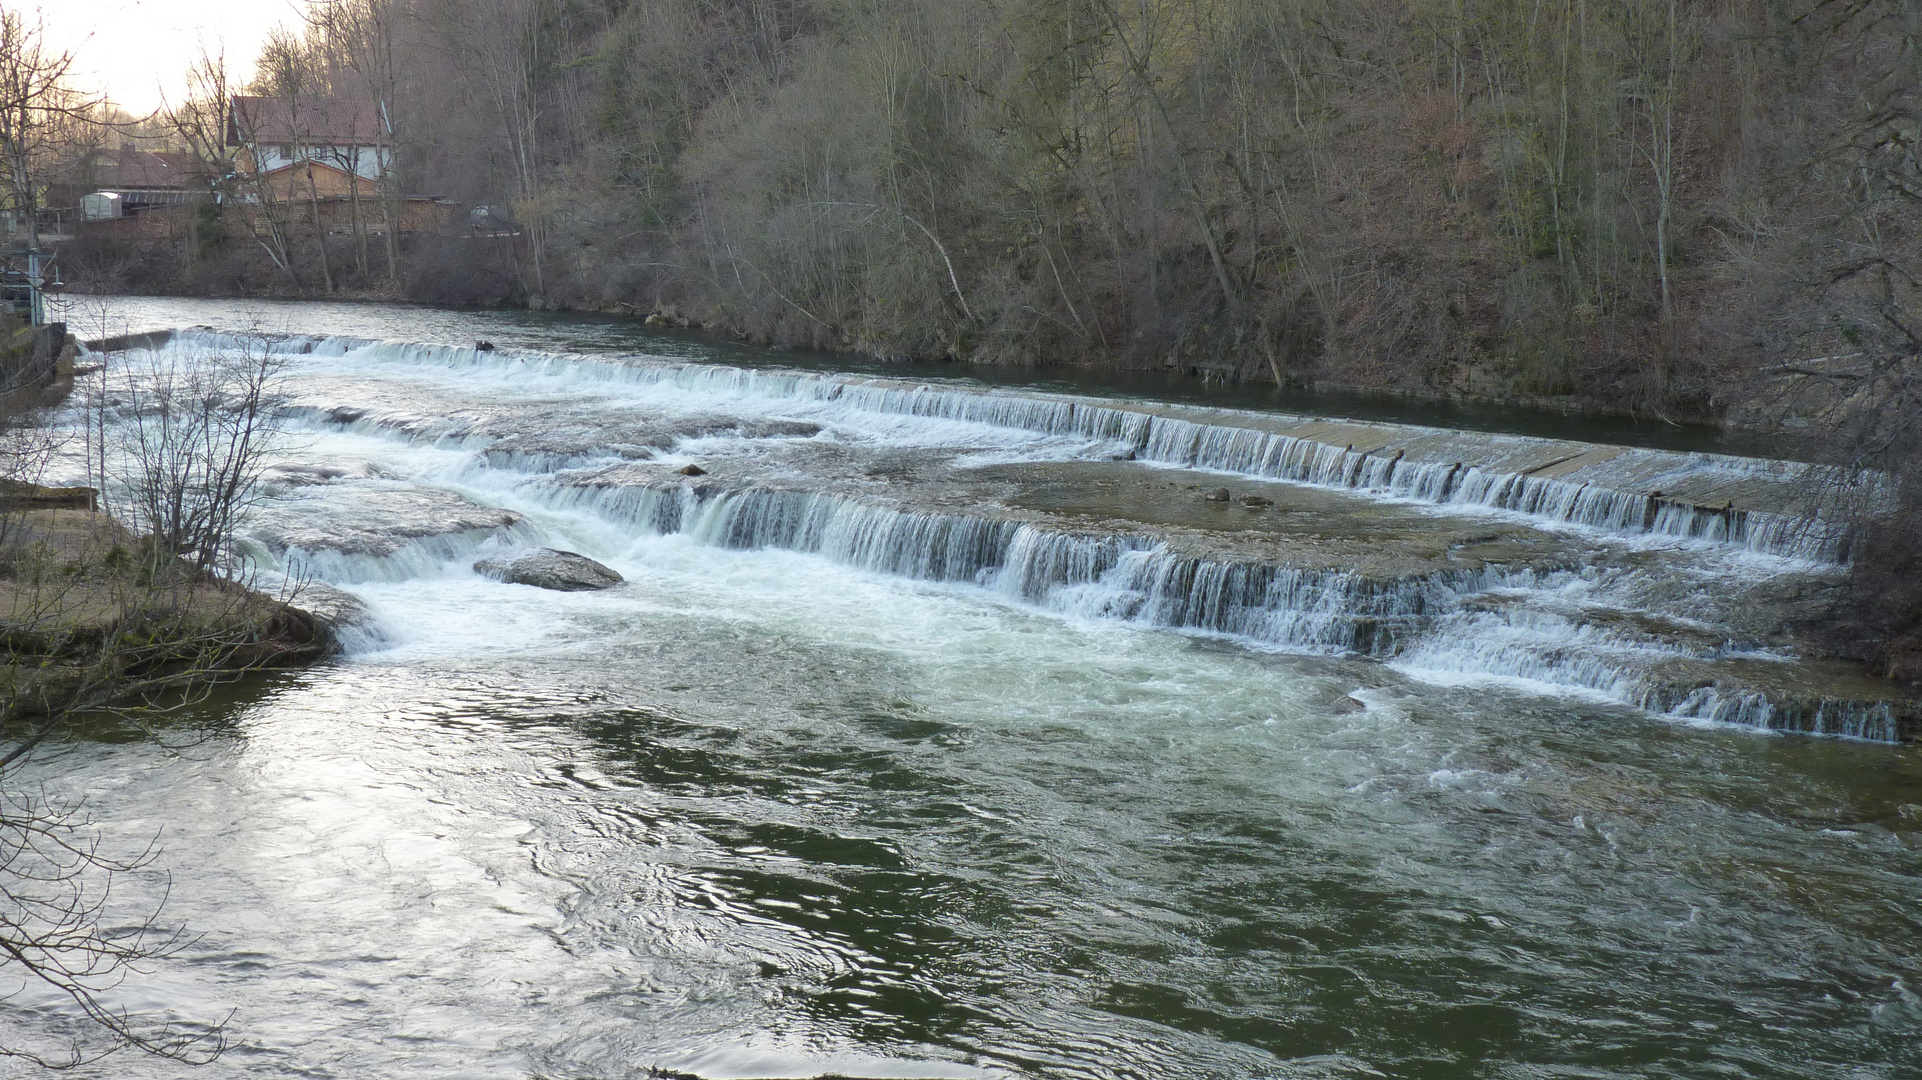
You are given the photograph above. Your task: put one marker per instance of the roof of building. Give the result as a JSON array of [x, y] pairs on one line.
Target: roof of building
[[128, 169], [312, 121]]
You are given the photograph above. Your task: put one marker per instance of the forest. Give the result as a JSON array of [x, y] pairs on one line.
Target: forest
[[1683, 211]]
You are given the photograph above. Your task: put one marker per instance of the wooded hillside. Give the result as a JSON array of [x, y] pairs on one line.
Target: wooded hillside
[[1648, 205], [1630, 202]]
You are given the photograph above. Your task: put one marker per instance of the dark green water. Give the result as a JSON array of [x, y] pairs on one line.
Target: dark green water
[[737, 848]]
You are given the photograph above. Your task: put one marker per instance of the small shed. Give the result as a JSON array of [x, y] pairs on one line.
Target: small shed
[[101, 206]]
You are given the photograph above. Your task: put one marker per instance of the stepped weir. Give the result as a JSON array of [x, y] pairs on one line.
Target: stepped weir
[[1654, 579]]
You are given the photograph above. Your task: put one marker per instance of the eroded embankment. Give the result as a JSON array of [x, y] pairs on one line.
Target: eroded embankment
[[1659, 580], [89, 613]]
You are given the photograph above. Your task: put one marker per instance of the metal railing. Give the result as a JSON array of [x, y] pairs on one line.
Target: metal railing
[[25, 279]]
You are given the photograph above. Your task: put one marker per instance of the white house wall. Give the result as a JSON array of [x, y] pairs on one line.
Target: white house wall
[[368, 161]]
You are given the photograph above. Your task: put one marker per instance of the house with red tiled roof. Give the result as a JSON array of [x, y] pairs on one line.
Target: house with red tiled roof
[[350, 135], [321, 161]]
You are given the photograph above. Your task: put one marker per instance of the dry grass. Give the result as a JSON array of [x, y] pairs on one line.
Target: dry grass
[[89, 614]]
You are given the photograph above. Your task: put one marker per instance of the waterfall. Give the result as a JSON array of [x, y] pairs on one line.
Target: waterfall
[[1552, 618], [1135, 578], [1758, 505]]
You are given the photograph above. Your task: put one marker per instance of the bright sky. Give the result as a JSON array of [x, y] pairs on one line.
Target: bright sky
[[137, 49]]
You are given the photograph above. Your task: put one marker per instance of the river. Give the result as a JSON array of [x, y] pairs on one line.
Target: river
[[910, 748]]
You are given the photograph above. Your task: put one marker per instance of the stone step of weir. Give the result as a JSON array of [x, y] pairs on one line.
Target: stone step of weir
[[1770, 506], [1338, 553], [146, 339], [1320, 570], [1774, 507], [1710, 481]]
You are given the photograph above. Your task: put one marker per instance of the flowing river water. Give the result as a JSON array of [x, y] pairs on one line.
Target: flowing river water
[[949, 731]]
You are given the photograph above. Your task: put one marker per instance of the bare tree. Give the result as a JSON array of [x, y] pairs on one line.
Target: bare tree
[[200, 124], [194, 433], [292, 78], [364, 34], [209, 126], [501, 48], [37, 106], [55, 891], [1848, 306]]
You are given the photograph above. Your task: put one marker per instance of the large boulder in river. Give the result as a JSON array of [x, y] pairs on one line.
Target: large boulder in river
[[562, 571], [333, 610]]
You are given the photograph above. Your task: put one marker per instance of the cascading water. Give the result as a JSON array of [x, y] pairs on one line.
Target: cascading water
[[940, 731], [887, 477], [1559, 482]]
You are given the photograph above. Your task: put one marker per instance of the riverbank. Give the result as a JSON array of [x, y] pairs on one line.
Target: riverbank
[[36, 365], [90, 614]]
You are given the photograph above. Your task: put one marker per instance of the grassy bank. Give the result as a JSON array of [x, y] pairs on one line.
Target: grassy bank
[[91, 614]]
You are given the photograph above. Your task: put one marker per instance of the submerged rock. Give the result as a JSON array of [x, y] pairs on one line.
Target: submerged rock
[[295, 474], [544, 442], [1256, 501], [562, 571], [377, 522]]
